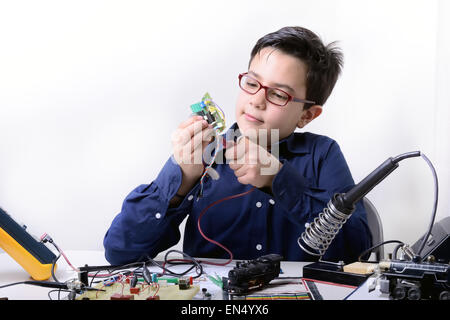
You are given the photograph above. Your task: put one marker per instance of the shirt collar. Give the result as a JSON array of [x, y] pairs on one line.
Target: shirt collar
[[296, 142]]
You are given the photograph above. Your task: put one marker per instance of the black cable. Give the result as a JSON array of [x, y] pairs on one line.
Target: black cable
[[49, 239], [147, 260], [368, 251], [53, 268], [12, 284], [93, 277], [59, 293], [394, 253], [47, 284], [196, 264], [110, 274], [406, 155], [433, 215], [122, 269]]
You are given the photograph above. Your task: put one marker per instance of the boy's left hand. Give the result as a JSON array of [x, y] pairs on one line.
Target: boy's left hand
[[251, 163]]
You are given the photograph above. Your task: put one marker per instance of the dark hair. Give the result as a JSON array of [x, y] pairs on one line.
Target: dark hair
[[324, 63]]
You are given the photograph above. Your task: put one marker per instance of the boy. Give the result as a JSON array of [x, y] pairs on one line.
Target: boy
[[262, 200]]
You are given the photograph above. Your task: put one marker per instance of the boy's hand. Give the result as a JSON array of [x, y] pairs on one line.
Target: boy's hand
[[251, 163], [189, 141]]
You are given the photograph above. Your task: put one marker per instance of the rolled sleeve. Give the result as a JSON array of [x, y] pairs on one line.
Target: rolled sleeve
[[145, 225]]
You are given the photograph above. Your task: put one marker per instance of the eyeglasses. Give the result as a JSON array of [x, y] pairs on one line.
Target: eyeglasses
[[273, 95]]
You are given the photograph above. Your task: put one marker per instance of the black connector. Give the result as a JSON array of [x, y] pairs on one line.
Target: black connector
[[134, 281], [147, 275]]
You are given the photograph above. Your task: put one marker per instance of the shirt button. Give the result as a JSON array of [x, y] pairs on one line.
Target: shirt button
[[258, 247], [158, 215], [190, 197], [271, 201], [259, 204]]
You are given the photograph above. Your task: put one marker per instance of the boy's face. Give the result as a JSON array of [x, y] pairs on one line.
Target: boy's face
[[273, 68]]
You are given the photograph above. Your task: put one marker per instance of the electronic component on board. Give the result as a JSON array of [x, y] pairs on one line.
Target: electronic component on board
[[184, 283], [135, 290], [134, 281], [118, 296], [211, 112], [147, 275]]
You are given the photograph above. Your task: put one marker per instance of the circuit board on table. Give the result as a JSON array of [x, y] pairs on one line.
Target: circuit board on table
[[122, 290]]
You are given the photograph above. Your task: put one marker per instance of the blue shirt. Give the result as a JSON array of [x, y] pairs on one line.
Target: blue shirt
[[259, 223]]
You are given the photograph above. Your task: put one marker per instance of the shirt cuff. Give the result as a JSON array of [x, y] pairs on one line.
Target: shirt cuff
[[169, 178], [169, 181]]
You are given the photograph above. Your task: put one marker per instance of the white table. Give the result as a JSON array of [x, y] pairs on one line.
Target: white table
[[11, 272]]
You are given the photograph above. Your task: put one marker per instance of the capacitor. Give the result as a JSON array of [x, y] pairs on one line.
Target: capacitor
[[147, 275], [184, 283], [134, 281]]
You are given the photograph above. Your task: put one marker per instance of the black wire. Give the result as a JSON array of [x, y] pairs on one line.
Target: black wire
[[26, 282], [55, 260], [122, 269], [59, 293], [394, 253], [51, 291], [145, 260], [12, 284], [92, 280], [368, 251], [406, 155], [433, 215], [110, 275], [53, 268], [196, 264]]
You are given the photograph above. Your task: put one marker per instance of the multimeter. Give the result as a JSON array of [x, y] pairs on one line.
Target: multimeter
[[31, 254]]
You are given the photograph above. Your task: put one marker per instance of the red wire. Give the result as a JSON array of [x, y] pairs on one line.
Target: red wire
[[204, 236], [157, 289], [211, 240], [208, 239]]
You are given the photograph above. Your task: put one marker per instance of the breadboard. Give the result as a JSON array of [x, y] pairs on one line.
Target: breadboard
[[164, 291]]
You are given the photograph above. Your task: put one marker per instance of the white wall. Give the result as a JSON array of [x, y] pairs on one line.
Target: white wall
[[442, 114], [90, 92]]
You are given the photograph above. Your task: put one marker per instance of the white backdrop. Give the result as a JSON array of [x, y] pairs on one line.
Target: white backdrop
[[90, 92]]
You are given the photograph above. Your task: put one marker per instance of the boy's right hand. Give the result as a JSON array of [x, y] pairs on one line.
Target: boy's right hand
[[189, 141]]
